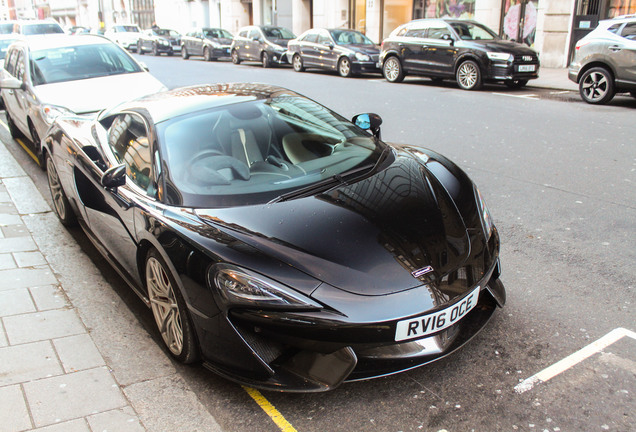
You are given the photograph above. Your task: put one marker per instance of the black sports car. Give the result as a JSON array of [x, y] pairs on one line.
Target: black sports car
[[283, 245]]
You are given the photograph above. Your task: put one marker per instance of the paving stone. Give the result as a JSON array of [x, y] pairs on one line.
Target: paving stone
[[70, 396], [27, 362], [8, 208], [78, 425], [26, 277], [7, 261], [14, 415], [8, 165], [25, 195], [15, 302], [16, 244], [4, 197], [3, 336], [42, 325], [78, 353], [10, 219], [48, 297], [167, 404], [29, 259], [124, 420], [13, 231]]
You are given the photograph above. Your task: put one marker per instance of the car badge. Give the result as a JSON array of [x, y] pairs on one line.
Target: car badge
[[527, 58], [422, 271]]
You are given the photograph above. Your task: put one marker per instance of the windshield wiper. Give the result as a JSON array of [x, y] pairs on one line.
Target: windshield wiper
[[341, 179]]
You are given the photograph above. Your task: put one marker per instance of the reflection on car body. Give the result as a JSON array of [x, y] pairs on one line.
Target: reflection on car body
[[210, 43], [273, 239], [265, 44]]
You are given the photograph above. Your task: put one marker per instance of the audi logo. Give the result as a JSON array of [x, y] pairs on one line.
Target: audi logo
[[527, 58]]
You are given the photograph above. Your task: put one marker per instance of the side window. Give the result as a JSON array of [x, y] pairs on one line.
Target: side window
[[311, 37], [9, 64], [19, 66], [613, 28], [416, 33], [438, 32], [243, 34], [629, 31], [323, 39], [255, 34], [402, 31], [128, 138]]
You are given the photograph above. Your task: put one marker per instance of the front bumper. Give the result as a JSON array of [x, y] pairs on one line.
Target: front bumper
[[317, 351], [278, 57], [506, 71], [223, 51], [365, 67]]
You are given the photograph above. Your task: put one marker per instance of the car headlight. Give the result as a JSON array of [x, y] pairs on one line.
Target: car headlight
[[277, 47], [486, 219], [362, 57], [164, 42], [499, 56], [51, 112], [242, 287]]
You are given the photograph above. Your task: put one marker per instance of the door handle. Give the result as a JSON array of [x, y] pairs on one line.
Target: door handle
[[615, 48]]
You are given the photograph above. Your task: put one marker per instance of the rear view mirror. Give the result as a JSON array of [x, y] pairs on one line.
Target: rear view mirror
[[368, 121], [114, 177]]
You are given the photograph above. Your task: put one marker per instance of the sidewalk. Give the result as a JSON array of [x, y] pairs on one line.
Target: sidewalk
[[73, 358], [554, 78]]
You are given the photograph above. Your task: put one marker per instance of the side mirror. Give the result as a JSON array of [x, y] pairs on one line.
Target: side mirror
[[448, 38], [114, 177], [256, 39], [329, 45], [144, 66], [368, 121], [11, 83]]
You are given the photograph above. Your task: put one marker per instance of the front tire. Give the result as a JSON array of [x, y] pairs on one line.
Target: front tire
[[13, 129], [235, 57], [169, 310], [344, 67], [597, 86], [392, 70], [140, 49], [61, 206], [155, 50], [469, 76], [184, 53], [265, 62], [37, 145], [206, 54], [297, 63]]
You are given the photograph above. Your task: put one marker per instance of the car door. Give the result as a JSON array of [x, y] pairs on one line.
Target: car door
[[198, 42], [623, 54], [439, 56], [253, 44], [413, 46], [327, 55], [307, 48], [111, 210]]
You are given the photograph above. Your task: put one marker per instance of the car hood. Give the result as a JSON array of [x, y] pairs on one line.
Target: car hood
[[366, 49], [504, 46], [281, 42], [365, 238], [94, 94], [221, 41]]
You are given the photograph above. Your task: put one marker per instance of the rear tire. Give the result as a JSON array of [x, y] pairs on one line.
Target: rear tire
[[297, 63], [392, 70], [61, 205], [235, 57], [155, 50], [140, 50], [469, 76], [206, 54], [169, 310], [184, 53], [265, 62], [596, 86]]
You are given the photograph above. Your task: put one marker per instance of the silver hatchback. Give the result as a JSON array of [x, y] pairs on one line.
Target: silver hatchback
[[605, 61]]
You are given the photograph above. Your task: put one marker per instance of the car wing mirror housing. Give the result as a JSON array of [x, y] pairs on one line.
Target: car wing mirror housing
[[114, 177], [11, 83], [368, 121], [144, 66]]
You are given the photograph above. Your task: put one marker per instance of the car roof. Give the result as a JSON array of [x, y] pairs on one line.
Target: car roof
[[49, 41], [161, 106]]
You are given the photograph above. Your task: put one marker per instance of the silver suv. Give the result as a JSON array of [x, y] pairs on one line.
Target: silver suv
[[605, 61]]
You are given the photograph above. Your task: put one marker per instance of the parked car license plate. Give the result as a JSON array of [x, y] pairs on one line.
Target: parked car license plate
[[527, 68], [432, 323]]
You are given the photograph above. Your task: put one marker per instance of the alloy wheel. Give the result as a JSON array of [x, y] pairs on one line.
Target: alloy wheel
[[297, 62], [344, 67], [164, 306], [469, 76], [206, 54], [597, 86], [60, 202], [393, 70]]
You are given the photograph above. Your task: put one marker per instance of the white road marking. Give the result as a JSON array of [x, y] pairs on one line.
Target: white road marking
[[560, 92], [528, 96], [573, 359]]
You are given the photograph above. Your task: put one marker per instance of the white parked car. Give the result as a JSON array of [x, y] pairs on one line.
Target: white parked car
[[44, 77], [125, 35]]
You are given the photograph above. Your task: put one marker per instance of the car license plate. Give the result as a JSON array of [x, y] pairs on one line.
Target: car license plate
[[432, 323], [527, 68]]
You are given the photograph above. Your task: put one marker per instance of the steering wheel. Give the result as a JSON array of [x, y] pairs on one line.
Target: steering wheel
[[207, 174]]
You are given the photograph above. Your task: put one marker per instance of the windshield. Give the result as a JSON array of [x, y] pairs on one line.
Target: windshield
[[31, 29], [252, 152], [473, 31], [6, 28], [4, 45], [278, 33], [128, 28], [217, 33], [166, 33], [348, 37], [79, 62]]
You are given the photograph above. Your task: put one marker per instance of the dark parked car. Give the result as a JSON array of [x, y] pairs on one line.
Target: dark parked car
[[466, 51], [287, 247], [266, 44], [605, 61], [158, 41], [211, 43], [347, 51]]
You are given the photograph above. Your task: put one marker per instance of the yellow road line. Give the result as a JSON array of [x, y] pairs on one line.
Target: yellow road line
[[269, 409], [23, 145]]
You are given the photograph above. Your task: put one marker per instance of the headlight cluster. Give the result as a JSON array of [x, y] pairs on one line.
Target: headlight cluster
[[362, 57], [164, 42], [51, 112], [486, 219], [500, 56], [242, 287]]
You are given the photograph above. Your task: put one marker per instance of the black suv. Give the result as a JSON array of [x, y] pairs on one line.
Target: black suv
[[464, 50], [605, 61], [266, 44]]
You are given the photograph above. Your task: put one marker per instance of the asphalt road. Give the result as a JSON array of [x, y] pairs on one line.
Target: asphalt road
[[558, 176]]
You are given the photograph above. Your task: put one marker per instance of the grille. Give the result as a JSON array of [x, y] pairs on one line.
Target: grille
[[526, 58]]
